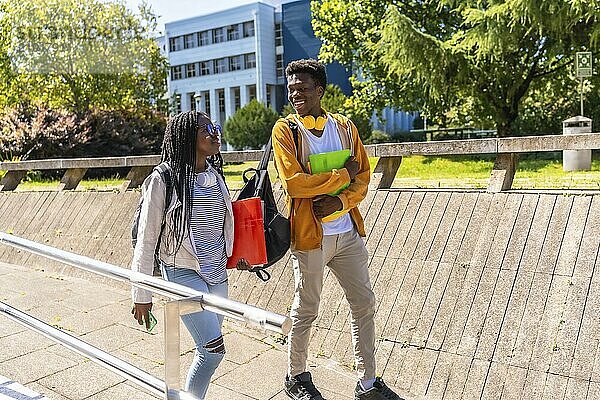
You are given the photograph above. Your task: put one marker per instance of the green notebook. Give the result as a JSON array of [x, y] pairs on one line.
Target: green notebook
[[325, 162]]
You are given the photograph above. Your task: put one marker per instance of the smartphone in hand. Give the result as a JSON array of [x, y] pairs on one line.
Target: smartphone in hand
[[152, 322]]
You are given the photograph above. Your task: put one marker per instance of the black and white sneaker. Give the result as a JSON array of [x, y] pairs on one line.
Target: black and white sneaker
[[379, 391], [301, 387]]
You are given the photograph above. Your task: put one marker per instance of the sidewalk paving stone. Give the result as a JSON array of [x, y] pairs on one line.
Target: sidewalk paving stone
[[253, 369]]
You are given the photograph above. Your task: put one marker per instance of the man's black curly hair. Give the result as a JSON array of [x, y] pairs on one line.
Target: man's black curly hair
[[310, 66]]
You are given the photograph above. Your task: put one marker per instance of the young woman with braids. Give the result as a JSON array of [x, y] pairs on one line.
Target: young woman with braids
[[197, 237]]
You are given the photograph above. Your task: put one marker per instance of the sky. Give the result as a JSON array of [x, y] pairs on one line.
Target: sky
[[173, 10]]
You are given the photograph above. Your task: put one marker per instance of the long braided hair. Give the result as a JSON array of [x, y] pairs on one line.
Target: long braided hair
[[179, 151]]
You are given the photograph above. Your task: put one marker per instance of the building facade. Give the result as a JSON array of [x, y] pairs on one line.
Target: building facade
[[221, 61]]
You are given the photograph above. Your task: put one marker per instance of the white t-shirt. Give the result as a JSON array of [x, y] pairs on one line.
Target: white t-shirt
[[329, 141]]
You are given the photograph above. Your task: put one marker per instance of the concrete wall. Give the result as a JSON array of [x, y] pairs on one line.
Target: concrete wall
[[485, 294]]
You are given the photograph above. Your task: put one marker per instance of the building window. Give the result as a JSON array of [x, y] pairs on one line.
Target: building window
[[177, 103], [204, 38], [279, 65], [192, 97], [237, 101], [191, 70], [190, 41], [220, 66], [205, 68], [176, 43], [206, 96], [233, 32], [251, 92], [278, 36], [249, 61], [269, 104], [235, 63], [176, 72], [248, 29], [221, 102], [218, 35]]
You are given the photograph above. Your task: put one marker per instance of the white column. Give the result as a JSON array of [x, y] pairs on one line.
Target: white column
[[261, 93], [214, 105], [197, 101], [229, 109], [201, 103], [243, 95], [185, 102]]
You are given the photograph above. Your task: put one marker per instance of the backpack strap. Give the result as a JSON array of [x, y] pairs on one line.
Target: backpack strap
[[264, 161], [165, 173], [261, 272], [294, 128]]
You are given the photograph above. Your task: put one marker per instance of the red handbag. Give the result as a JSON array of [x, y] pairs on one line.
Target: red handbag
[[248, 233]]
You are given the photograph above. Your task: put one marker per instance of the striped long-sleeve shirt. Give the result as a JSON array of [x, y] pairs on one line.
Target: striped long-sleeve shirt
[[207, 220]]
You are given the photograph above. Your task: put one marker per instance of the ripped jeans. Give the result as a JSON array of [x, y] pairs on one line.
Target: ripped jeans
[[205, 328]]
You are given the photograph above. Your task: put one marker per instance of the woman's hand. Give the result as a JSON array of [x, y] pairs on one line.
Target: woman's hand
[[243, 265], [140, 313]]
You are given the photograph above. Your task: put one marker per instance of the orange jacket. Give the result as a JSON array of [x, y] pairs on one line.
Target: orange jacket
[[302, 187]]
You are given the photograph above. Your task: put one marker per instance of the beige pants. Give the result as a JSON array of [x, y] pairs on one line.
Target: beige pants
[[345, 254]]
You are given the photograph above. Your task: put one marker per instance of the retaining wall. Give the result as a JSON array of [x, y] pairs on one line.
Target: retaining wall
[[479, 295]]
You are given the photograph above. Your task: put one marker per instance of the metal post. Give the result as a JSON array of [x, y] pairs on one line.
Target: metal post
[[581, 96], [172, 347]]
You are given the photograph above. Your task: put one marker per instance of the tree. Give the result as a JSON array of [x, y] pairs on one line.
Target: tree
[[250, 127], [79, 55], [474, 60]]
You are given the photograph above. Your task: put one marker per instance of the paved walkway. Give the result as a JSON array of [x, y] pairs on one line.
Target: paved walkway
[[100, 315], [10, 389]]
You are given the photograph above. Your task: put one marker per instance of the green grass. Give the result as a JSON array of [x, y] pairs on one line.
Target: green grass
[[474, 172], [415, 172]]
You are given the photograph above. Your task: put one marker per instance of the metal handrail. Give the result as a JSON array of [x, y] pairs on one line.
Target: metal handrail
[[123, 368], [184, 300], [227, 307]]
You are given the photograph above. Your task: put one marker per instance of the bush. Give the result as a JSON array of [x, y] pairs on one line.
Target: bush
[[378, 137], [29, 132], [250, 127], [410, 137], [122, 133]]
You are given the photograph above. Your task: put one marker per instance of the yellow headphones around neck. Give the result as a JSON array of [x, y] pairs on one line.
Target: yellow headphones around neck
[[310, 122]]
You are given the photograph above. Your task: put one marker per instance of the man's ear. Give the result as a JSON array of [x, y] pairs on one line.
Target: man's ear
[[321, 90]]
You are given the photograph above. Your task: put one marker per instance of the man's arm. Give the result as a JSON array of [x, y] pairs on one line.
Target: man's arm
[[294, 180]]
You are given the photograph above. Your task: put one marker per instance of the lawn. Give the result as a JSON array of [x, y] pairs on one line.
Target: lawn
[[418, 172], [474, 172]]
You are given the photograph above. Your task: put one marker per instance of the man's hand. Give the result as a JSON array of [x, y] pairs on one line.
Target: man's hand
[[325, 205], [243, 265], [140, 313], [352, 166]]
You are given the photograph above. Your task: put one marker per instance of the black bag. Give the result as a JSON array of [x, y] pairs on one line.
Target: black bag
[[277, 227], [165, 174]]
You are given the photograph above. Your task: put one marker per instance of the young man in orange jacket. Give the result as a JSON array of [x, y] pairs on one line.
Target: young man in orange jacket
[[320, 238]]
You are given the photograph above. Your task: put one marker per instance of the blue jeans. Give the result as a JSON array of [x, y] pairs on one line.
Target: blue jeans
[[205, 328]]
